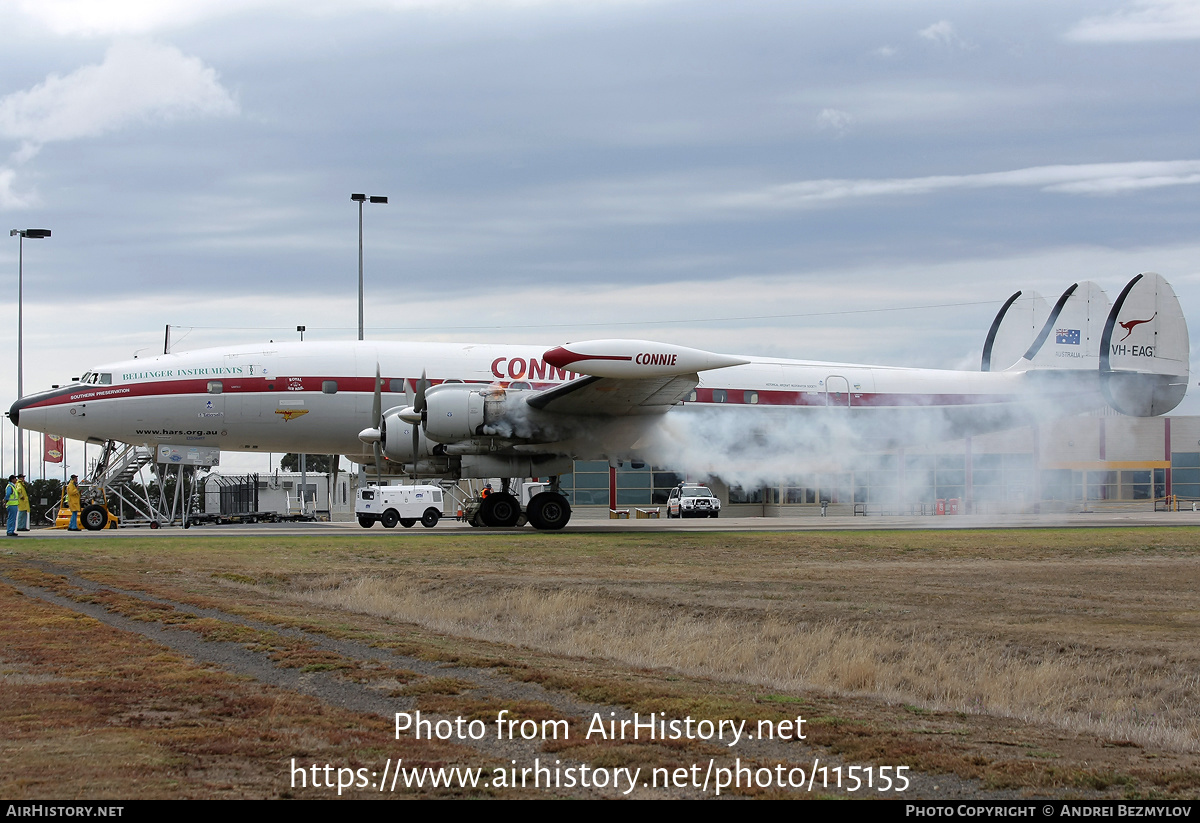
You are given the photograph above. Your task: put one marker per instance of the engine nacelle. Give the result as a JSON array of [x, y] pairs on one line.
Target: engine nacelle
[[459, 412], [453, 411], [398, 442]]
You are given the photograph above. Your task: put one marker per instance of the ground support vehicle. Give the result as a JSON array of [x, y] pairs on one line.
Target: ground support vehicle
[[404, 505], [94, 514], [693, 501]]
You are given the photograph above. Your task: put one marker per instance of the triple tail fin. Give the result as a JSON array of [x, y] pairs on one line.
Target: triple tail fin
[[1138, 346]]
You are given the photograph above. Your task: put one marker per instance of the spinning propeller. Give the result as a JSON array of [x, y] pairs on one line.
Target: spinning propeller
[[377, 433], [417, 414]]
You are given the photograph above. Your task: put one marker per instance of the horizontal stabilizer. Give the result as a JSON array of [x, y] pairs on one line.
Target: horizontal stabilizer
[[1144, 354], [1016, 326]]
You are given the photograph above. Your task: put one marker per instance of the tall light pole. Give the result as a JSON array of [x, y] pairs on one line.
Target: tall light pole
[[32, 234], [360, 199]]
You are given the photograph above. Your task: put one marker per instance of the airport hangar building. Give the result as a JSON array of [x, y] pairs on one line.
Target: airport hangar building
[[1102, 460]]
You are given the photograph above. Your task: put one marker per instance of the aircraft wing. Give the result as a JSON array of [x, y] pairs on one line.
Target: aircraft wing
[[611, 396], [625, 377]]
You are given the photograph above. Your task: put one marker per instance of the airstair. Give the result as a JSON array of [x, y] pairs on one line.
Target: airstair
[[119, 471]]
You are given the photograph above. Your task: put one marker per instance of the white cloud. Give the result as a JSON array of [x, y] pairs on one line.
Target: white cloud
[[835, 120], [884, 51], [1142, 21], [89, 18], [942, 32], [1090, 178], [138, 81], [9, 199]]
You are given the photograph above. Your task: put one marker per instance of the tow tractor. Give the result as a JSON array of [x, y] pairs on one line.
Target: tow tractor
[[540, 503], [94, 514]]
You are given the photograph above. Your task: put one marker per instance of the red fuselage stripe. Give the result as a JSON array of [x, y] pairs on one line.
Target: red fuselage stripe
[[366, 385]]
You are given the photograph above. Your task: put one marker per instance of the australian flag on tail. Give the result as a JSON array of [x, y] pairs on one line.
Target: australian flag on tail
[[1068, 336]]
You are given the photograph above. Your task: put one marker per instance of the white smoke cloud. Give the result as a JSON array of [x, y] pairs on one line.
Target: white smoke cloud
[[753, 447]]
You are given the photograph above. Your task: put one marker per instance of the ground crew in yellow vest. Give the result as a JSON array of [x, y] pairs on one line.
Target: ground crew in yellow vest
[[10, 505], [22, 504], [73, 503]]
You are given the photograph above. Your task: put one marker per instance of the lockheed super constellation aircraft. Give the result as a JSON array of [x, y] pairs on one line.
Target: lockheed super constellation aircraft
[[485, 411]]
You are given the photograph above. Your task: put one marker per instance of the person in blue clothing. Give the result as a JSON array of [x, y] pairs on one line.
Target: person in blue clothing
[[13, 501]]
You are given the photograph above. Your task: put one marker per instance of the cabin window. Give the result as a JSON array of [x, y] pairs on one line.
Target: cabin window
[[520, 384], [719, 395], [396, 385], [329, 387], [750, 397], [214, 387], [691, 398]]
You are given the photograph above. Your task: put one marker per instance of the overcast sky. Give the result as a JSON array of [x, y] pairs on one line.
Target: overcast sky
[[756, 177]]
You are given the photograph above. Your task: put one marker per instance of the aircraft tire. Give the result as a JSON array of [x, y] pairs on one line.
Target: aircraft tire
[[94, 518], [548, 511], [500, 510], [366, 522], [408, 522], [389, 519], [430, 518]]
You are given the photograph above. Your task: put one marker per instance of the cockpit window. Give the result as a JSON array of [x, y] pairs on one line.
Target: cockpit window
[[94, 378]]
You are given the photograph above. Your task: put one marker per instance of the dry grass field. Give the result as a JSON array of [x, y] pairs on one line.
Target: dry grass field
[[992, 663]]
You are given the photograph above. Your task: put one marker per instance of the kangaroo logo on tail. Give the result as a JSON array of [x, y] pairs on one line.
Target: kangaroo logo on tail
[[1129, 326]]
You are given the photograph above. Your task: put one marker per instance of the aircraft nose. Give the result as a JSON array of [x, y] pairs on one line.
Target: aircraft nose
[[30, 400]]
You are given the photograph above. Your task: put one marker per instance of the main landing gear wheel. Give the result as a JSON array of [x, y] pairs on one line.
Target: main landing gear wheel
[[430, 518], [94, 518], [389, 519], [500, 509], [548, 511]]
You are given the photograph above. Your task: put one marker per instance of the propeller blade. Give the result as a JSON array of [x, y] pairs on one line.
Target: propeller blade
[[416, 445], [422, 386], [334, 459], [377, 401], [419, 406], [378, 452]]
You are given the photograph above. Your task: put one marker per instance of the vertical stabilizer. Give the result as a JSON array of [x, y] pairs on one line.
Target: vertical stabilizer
[[1070, 337], [1014, 329], [1144, 349]]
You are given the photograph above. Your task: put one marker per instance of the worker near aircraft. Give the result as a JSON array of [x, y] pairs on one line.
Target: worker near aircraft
[[73, 503], [22, 504], [11, 502]]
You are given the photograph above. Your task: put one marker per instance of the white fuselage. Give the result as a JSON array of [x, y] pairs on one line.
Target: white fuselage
[[317, 397]]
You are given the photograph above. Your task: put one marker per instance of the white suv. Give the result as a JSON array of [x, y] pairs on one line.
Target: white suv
[[693, 501]]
